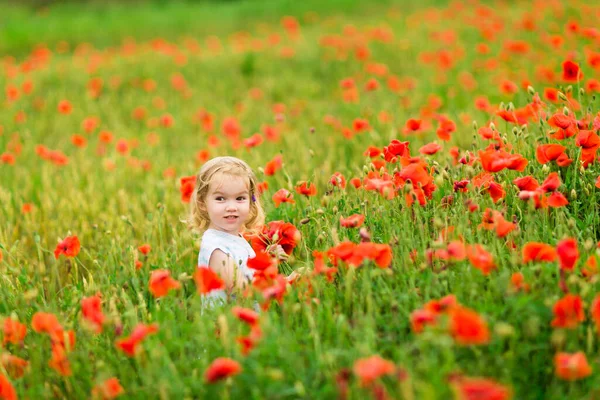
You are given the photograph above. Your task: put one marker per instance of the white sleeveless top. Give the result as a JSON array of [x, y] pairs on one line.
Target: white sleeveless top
[[235, 246]]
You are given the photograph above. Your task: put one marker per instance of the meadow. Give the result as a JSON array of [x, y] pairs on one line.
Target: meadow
[[430, 168]]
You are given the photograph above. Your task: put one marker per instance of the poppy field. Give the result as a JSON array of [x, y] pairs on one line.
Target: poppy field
[[430, 172]]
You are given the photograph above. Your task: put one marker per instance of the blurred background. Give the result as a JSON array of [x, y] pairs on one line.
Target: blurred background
[[27, 23]]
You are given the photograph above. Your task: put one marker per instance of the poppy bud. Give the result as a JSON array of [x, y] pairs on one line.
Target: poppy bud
[[503, 329], [492, 126], [562, 96], [545, 169], [515, 131], [558, 338], [530, 90], [581, 91], [571, 223], [511, 107], [439, 180], [261, 170], [573, 194], [588, 244], [566, 111], [299, 387], [569, 89], [502, 106], [320, 211], [304, 221], [311, 152], [334, 209], [475, 125], [325, 200]]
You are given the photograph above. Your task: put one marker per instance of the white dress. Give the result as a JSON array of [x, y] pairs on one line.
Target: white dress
[[235, 246]]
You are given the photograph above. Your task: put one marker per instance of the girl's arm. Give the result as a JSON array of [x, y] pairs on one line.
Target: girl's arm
[[224, 265]]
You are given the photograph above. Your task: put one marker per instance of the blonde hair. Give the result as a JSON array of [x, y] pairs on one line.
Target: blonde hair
[[198, 219]]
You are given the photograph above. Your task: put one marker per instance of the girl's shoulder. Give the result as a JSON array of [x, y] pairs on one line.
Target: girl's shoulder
[[233, 245]]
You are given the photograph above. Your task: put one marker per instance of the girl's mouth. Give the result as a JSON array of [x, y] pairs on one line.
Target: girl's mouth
[[231, 217]]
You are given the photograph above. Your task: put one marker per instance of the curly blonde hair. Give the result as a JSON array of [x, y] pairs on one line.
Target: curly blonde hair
[[198, 219]]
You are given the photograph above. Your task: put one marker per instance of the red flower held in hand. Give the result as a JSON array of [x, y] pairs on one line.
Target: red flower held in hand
[[221, 368], [69, 246], [207, 280]]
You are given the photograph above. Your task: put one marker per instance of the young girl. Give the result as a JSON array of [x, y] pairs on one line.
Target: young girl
[[224, 204]]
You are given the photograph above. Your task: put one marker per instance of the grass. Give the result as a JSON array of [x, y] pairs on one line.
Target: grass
[[310, 344]]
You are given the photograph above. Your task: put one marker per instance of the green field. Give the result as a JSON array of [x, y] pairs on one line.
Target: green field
[[464, 133]]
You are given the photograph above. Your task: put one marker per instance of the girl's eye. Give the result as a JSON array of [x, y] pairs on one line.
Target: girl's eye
[[241, 198], [220, 198]]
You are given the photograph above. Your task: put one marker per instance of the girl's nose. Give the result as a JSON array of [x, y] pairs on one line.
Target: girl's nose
[[231, 206]]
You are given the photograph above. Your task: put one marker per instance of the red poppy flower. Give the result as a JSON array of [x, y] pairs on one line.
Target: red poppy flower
[[129, 344], [69, 246], [534, 251], [14, 331], [283, 196], [567, 253], [467, 388], [144, 249], [307, 189], [480, 258], [161, 283], [571, 366], [353, 221], [187, 185], [91, 309], [370, 369], [65, 107], [430, 148], [595, 311], [207, 280], [274, 165], [557, 199], [14, 366], [545, 153], [467, 327], [261, 261], [107, 390], [221, 368], [245, 314], [571, 71], [568, 312]]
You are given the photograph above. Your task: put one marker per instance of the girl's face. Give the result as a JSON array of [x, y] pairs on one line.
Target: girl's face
[[228, 203]]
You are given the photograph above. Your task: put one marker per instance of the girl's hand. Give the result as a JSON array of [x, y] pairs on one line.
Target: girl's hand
[[278, 252]]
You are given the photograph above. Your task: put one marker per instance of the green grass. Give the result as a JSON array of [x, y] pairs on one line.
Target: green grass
[[114, 202]]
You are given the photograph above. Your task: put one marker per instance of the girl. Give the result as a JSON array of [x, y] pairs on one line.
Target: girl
[[223, 205]]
